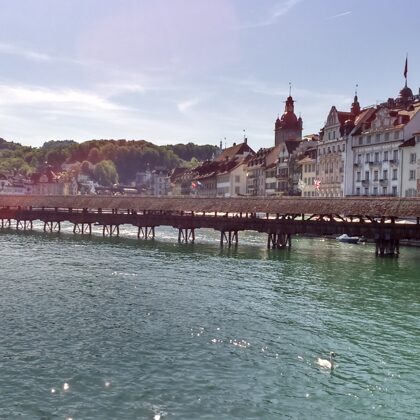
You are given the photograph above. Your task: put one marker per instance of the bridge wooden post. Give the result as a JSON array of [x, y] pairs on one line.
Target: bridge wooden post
[[52, 226], [5, 223], [147, 232], [111, 230], [82, 228], [229, 237], [23, 224], [387, 247], [186, 235], [279, 240]]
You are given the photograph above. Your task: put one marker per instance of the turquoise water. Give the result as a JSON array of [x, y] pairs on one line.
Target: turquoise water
[[99, 328]]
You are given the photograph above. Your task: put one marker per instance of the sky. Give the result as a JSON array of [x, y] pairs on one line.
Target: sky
[[175, 71]]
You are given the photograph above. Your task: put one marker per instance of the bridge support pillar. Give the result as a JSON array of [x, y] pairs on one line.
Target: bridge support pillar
[[111, 230], [279, 240], [82, 228], [230, 237], [147, 232], [23, 224], [387, 247], [186, 235], [5, 223], [52, 226]]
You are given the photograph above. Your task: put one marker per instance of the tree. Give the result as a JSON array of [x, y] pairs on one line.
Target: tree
[[56, 157], [94, 155], [105, 173]]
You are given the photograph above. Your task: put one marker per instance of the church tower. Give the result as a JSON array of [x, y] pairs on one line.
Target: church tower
[[288, 127]]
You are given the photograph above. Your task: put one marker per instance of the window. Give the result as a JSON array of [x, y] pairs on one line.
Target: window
[[376, 157], [333, 149], [237, 178], [358, 191], [396, 135], [412, 175], [368, 139], [386, 136], [375, 190], [367, 176], [375, 175], [366, 191], [395, 155], [367, 157], [386, 156], [413, 158], [359, 158], [360, 140], [385, 175], [394, 174], [377, 138], [394, 190], [384, 190], [334, 134], [344, 147]]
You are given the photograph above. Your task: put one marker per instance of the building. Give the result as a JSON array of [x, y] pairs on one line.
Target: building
[[376, 140], [410, 159], [288, 127], [262, 172], [332, 149]]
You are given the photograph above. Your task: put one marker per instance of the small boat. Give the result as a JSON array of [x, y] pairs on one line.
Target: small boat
[[348, 239]]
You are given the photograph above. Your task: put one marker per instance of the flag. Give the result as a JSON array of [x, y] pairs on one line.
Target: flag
[[406, 67], [317, 184]]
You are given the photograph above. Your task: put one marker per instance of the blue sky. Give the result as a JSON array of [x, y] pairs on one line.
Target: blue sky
[[172, 71]]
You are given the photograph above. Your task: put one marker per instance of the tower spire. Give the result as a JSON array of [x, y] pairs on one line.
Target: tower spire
[[355, 106], [290, 88], [406, 69]]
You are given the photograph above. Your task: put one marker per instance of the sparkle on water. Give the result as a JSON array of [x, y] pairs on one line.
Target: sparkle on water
[[118, 328]]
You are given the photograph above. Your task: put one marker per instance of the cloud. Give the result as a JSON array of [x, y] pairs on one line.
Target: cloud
[[67, 98], [281, 9], [339, 15], [185, 106], [21, 52]]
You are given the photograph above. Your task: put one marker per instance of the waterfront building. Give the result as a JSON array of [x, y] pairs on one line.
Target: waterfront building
[[410, 158], [262, 172], [231, 178], [308, 172], [287, 168], [332, 149], [376, 140]]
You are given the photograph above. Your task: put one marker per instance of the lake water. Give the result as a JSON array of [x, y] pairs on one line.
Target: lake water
[[116, 328]]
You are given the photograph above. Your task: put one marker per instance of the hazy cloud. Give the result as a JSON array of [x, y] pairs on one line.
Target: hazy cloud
[[280, 10], [21, 52], [339, 15]]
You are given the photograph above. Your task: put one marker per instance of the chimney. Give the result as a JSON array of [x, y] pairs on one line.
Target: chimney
[[245, 140]]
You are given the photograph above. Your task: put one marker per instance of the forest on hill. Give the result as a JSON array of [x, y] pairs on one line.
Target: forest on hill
[[124, 158]]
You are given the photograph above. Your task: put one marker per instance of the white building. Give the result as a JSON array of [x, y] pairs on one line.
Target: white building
[[376, 140], [410, 159]]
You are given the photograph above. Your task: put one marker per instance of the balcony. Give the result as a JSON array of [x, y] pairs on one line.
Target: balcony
[[365, 183], [393, 162], [375, 163], [356, 164], [383, 182]]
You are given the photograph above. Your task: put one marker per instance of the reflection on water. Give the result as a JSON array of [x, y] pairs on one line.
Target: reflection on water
[[98, 327]]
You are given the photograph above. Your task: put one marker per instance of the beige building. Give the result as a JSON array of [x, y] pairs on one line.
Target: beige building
[[332, 150]]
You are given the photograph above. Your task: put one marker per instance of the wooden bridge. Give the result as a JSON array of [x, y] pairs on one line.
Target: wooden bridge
[[384, 220]]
